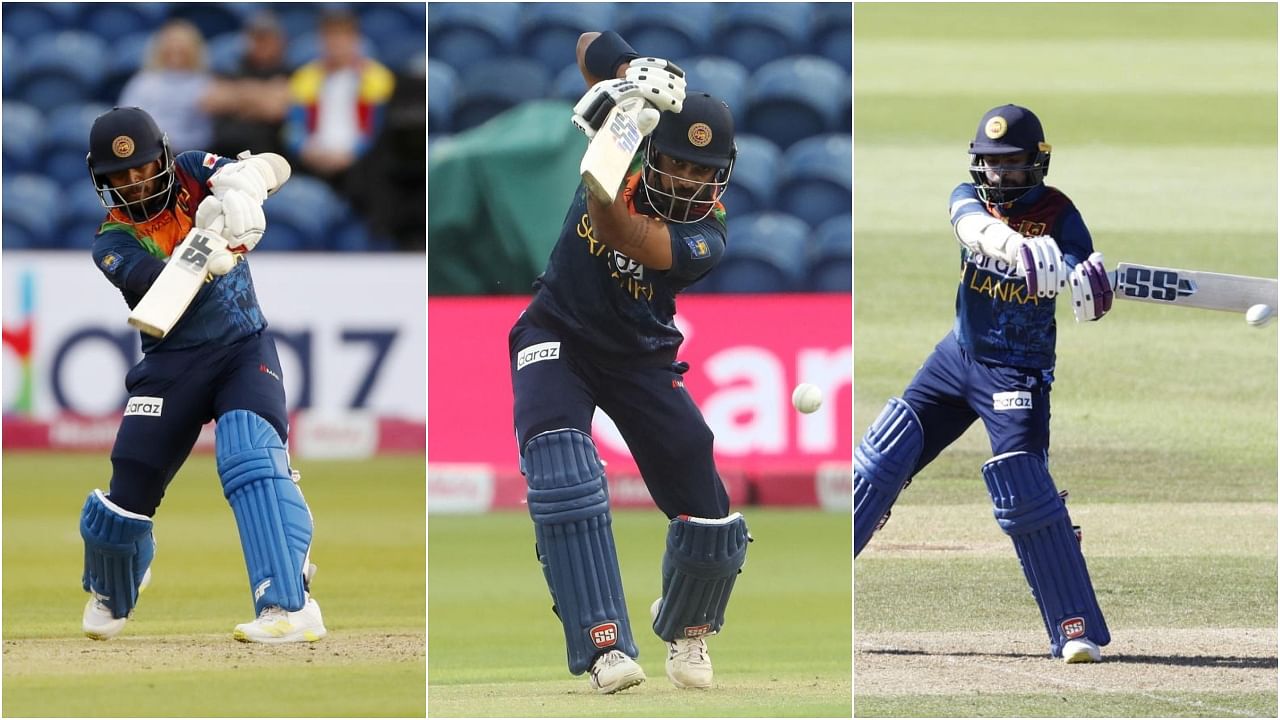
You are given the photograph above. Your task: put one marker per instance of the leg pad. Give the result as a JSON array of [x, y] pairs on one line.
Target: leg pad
[[702, 562], [882, 465], [118, 549]]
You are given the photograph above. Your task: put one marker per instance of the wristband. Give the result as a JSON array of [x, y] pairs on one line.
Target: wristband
[[606, 53]]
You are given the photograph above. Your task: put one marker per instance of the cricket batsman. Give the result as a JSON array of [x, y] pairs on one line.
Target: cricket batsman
[[600, 332], [1022, 243], [216, 363]]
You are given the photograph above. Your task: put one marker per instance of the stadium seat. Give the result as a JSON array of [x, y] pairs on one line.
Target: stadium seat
[[32, 204], [212, 19], [28, 20], [549, 31], [351, 236], [442, 88], [816, 178], [568, 84], [831, 256], [796, 97], [395, 35], [13, 64], [62, 68], [463, 34], [767, 253], [755, 177], [116, 20], [666, 30], [832, 33], [82, 214], [301, 215], [67, 142], [757, 33], [23, 137], [304, 48], [721, 77], [124, 62], [493, 86]]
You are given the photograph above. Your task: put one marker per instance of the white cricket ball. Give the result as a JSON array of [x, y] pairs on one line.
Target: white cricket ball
[[806, 397], [221, 262], [1259, 315]]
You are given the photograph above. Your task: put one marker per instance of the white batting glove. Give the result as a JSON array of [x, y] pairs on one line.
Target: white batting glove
[[245, 177], [1091, 290], [273, 168], [209, 217], [1040, 262], [662, 81], [244, 221], [591, 110]]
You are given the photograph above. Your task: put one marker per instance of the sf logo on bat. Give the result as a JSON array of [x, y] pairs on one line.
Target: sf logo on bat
[[196, 257], [1148, 283], [625, 133]]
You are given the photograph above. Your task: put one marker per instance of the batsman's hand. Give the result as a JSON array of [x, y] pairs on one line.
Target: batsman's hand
[[1091, 290], [1040, 262], [244, 221], [591, 110], [662, 82], [209, 217]]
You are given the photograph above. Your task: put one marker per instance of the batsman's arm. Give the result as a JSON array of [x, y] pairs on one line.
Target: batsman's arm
[[603, 60], [126, 265], [640, 237]]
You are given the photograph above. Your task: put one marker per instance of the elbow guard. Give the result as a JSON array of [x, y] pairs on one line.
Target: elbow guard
[[987, 235]]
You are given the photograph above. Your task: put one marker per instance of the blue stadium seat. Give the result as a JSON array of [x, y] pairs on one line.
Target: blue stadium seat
[[13, 65], [124, 62], [23, 138], [720, 76], [30, 19], [67, 142], [796, 97], [666, 30], [755, 177], [491, 87], [62, 68], [304, 48], [757, 33], [463, 34], [442, 89], [302, 215], [767, 253], [831, 256], [351, 236], [395, 33], [32, 205], [832, 33], [816, 179], [295, 19], [82, 214], [212, 18], [549, 31], [113, 21], [568, 84]]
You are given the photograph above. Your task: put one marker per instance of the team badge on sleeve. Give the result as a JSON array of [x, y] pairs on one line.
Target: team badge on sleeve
[[698, 245], [210, 160], [110, 262]]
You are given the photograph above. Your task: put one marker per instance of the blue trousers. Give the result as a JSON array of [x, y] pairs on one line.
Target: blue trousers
[[558, 386], [952, 390], [192, 387]]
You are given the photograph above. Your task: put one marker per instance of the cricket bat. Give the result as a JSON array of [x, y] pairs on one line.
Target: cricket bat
[[1192, 288], [177, 285], [609, 155]]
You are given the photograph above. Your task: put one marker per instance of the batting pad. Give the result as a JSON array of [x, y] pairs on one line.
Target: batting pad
[[882, 464], [1034, 516], [702, 562], [273, 518], [569, 504], [118, 549]]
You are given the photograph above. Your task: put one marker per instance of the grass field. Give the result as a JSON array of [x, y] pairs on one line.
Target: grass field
[[176, 657], [495, 648], [1163, 124]]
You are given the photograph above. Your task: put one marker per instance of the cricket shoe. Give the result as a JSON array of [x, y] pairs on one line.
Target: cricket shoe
[[688, 662], [614, 671], [276, 626], [98, 622], [1081, 651]]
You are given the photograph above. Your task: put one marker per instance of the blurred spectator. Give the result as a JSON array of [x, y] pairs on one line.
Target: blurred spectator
[[249, 103], [337, 101], [173, 79]]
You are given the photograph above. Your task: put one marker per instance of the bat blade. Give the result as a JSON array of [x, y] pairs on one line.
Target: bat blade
[[1192, 288], [177, 285], [609, 155]]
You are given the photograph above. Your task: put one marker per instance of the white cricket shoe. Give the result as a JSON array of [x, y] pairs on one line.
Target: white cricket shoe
[[1081, 651], [275, 625], [688, 662], [98, 622], [614, 671]]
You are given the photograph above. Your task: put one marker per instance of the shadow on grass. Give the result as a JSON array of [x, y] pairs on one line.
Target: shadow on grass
[[1205, 661]]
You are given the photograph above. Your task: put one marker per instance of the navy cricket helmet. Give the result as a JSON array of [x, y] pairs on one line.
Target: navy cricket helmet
[[1008, 130], [702, 134], [126, 138]]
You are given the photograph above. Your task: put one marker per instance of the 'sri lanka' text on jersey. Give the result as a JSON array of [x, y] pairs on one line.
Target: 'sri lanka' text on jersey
[[997, 321], [224, 310], [611, 305]]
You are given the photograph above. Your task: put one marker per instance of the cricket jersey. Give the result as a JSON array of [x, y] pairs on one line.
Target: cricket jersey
[[996, 320], [611, 305], [224, 310]]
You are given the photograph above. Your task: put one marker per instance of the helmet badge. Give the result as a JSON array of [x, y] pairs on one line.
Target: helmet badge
[[700, 135], [996, 128], [122, 146]]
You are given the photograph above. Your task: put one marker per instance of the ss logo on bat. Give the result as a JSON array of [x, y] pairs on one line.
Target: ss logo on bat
[[1163, 285]]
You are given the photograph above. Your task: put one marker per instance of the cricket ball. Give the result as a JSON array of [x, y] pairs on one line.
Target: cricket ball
[[806, 397], [1259, 315]]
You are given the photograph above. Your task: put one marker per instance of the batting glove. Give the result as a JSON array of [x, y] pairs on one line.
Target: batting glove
[[591, 110], [209, 217], [245, 221], [662, 81], [1040, 262], [251, 178], [1091, 291]]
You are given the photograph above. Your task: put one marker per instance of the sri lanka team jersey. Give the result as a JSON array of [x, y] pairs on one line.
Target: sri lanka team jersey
[[996, 320], [611, 305], [224, 310]]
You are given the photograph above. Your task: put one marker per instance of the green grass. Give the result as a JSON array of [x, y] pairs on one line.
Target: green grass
[[1162, 119], [784, 651], [176, 657]]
